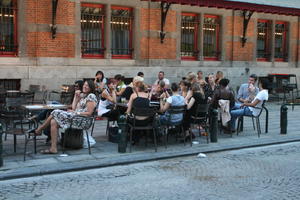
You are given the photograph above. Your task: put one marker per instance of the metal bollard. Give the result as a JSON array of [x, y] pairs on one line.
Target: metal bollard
[[283, 119], [214, 126], [122, 132], [1, 147]]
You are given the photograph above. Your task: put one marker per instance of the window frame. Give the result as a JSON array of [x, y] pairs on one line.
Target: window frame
[[128, 56], [98, 56], [215, 58], [284, 45], [196, 37], [267, 41], [15, 34]]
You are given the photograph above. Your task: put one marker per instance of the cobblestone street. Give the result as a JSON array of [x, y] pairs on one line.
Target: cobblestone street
[[271, 172]]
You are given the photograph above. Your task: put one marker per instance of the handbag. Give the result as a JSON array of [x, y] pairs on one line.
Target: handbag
[[72, 138], [113, 134]]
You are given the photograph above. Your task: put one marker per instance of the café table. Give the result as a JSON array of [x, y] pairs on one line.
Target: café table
[[45, 107]]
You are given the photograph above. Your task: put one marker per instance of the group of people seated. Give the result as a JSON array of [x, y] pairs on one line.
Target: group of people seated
[[103, 94]]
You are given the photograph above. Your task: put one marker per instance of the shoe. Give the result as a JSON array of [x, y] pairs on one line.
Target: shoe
[[47, 151], [33, 132]]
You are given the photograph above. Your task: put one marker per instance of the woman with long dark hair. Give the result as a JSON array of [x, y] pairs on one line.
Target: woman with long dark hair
[[99, 81], [84, 103]]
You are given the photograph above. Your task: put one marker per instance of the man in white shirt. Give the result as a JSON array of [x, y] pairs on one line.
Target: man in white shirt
[[161, 77], [253, 108]]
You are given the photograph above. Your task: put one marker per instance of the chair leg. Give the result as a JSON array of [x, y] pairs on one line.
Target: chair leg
[[15, 143], [191, 138], [154, 139], [25, 148], [253, 123], [88, 141], [34, 142], [107, 126], [258, 127], [166, 136], [92, 128], [130, 139], [207, 136], [238, 126], [64, 142]]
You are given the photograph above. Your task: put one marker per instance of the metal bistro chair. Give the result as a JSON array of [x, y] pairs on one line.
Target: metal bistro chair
[[241, 120], [174, 110], [143, 112], [83, 123], [201, 119]]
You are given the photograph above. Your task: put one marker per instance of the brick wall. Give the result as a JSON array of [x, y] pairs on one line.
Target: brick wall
[[41, 12], [41, 44], [234, 50], [167, 50], [151, 48]]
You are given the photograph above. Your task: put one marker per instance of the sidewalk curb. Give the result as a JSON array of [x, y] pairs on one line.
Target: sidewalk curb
[[131, 159]]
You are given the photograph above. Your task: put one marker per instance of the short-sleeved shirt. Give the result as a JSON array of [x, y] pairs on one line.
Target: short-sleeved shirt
[[120, 86], [261, 96], [175, 100], [244, 92], [167, 82]]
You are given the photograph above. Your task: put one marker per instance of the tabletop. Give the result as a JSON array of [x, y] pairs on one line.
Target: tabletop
[[45, 106]]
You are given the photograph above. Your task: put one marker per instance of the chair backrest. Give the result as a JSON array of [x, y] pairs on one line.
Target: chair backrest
[[81, 122], [177, 109], [144, 112], [66, 97], [14, 102], [40, 97], [29, 97], [262, 108], [202, 109]]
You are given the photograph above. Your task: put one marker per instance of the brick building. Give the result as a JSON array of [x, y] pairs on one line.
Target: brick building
[[50, 44]]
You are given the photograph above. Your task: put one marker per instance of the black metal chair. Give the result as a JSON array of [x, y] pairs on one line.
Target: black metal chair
[[257, 119], [66, 97], [174, 110], [201, 119], [150, 113], [83, 123]]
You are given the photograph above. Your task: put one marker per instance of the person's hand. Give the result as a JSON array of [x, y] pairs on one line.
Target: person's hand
[[77, 93], [162, 96]]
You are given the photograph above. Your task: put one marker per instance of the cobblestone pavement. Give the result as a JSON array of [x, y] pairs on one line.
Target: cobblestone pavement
[[271, 172]]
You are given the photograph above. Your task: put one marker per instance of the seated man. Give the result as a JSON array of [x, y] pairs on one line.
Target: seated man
[[161, 77], [247, 91], [253, 108]]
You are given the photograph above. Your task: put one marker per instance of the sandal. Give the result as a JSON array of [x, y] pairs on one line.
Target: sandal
[[47, 151], [33, 132]]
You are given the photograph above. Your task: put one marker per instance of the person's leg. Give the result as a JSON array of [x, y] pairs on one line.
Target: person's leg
[[239, 112], [54, 131], [236, 106], [44, 125]]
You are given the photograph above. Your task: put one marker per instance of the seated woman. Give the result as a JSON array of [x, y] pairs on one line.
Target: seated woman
[[197, 98], [120, 85], [184, 88], [174, 100], [99, 81], [107, 101], [139, 99], [253, 108], [157, 91], [83, 104]]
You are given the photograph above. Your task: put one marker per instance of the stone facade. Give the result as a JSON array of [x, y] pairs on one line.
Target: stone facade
[[52, 62]]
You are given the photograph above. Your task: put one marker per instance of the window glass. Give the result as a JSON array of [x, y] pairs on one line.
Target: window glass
[[211, 37], [189, 36]]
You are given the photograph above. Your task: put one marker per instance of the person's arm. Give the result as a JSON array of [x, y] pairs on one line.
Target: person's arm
[[240, 94], [252, 104], [165, 106], [76, 99], [191, 103], [188, 96], [90, 109], [132, 97], [112, 98], [121, 91]]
